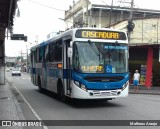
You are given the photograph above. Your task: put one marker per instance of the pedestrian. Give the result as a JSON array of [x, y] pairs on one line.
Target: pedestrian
[[136, 78]]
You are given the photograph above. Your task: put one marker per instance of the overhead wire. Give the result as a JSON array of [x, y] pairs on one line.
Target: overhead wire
[[64, 10], [143, 31], [46, 6]]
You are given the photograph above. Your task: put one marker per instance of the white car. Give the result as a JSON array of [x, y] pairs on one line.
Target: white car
[[16, 72]]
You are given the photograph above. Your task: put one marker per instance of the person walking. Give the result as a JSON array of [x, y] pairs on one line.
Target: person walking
[[136, 78]]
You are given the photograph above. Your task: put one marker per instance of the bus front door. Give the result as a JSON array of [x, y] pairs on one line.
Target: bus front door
[[66, 67]]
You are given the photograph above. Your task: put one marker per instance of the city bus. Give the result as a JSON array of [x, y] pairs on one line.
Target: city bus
[[83, 63]]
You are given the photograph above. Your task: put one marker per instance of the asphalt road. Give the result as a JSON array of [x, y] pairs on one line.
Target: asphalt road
[[47, 107]]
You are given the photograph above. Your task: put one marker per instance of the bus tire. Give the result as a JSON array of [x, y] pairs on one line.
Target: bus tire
[[39, 85], [61, 92]]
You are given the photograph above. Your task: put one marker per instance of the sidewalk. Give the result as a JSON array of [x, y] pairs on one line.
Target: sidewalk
[[144, 90], [9, 107]]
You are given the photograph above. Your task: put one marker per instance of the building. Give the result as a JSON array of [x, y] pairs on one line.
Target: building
[[144, 40], [7, 13]]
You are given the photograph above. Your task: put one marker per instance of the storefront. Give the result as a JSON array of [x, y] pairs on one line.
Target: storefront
[[146, 60]]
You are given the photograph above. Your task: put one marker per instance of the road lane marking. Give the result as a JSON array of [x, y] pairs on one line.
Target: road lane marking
[[33, 111]]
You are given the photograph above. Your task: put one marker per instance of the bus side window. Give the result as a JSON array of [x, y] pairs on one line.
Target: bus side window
[[37, 55], [33, 58], [41, 54], [75, 59], [51, 52], [46, 54], [58, 51]]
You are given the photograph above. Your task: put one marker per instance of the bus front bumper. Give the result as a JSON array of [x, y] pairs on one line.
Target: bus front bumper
[[79, 93]]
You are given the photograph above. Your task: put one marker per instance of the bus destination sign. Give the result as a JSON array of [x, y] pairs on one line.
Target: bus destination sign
[[100, 34]]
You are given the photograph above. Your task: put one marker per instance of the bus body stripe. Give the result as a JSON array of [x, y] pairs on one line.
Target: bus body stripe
[[65, 73]]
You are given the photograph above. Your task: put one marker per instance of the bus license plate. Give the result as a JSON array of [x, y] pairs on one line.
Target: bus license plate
[[105, 93]]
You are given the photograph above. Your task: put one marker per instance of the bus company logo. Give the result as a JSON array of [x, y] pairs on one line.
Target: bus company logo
[[6, 123]]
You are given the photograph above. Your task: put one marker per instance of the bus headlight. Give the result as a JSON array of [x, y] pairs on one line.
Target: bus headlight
[[83, 87], [125, 85], [76, 83]]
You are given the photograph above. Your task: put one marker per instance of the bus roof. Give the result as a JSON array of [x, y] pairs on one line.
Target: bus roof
[[71, 32]]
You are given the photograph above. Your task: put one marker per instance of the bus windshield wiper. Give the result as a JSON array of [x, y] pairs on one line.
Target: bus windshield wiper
[[93, 47]]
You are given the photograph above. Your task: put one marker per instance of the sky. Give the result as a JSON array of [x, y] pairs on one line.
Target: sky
[[41, 17]]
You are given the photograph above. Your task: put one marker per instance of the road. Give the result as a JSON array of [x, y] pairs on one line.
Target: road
[[47, 107]]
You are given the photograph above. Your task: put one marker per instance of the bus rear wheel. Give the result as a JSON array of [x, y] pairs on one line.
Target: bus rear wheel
[[39, 85]]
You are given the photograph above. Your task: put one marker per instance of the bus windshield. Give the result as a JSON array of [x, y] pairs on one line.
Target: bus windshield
[[100, 57]]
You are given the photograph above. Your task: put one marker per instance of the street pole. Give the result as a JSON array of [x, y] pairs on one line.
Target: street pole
[[110, 16], [87, 14], [130, 20], [27, 59], [21, 60]]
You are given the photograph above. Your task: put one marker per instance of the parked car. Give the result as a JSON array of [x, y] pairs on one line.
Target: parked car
[[16, 72]]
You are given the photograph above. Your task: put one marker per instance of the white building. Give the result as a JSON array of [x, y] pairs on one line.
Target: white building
[[144, 40]]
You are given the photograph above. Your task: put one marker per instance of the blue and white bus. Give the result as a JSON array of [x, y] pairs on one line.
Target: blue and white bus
[[83, 63]]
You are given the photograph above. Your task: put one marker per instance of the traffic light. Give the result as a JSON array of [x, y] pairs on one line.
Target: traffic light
[[130, 26]]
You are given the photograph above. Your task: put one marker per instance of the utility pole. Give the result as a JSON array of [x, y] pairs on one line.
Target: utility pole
[[21, 60], [131, 11], [87, 13], [130, 25], [27, 59], [110, 16]]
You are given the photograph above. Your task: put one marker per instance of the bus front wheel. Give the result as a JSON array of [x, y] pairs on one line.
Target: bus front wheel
[[61, 92]]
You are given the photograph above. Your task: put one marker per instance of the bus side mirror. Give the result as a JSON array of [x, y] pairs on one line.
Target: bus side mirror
[[70, 52]]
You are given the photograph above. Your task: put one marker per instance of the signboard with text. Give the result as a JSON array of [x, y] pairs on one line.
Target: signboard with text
[[18, 37], [100, 34]]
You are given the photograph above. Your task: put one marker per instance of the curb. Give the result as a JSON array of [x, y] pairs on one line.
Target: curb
[[15, 92], [147, 93]]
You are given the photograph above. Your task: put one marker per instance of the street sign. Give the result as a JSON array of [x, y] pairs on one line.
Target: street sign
[[18, 37]]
